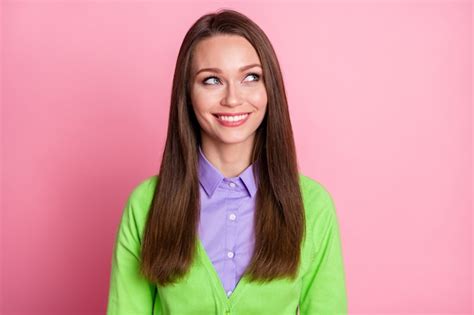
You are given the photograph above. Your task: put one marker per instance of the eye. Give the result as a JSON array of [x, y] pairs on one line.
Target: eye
[[255, 75], [257, 78], [204, 81]]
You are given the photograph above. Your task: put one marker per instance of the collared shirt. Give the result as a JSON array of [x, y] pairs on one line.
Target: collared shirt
[[318, 288], [226, 220]]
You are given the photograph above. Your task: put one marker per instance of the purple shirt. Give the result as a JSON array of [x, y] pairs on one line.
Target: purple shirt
[[226, 220]]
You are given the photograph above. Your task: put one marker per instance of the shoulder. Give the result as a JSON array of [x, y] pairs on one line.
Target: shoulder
[[313, 190], [140, 198], [320, 211], [317, 200], [144, 189]]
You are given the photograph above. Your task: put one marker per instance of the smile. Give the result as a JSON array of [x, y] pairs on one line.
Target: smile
[[232, 120]]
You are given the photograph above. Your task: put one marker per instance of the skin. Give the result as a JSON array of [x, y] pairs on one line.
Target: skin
[[229, 91]]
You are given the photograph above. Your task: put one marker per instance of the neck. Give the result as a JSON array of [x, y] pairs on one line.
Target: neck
[[229, 159]]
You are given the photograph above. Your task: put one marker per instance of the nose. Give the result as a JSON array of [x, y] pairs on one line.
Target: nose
[[232, 96]]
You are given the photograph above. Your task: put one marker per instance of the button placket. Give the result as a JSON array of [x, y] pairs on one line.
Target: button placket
[[236, 193], [230, 237]]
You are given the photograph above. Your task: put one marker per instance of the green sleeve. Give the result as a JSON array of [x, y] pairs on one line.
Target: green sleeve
[[129, 292], [324, 288]]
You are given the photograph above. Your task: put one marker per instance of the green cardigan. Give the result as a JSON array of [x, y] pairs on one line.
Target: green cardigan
[[318, 289]]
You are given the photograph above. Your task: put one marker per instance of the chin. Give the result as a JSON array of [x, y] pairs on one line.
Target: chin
[[230, 140], [236, 141]]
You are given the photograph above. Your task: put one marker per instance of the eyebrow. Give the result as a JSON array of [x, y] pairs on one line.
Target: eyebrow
[[220, 71]]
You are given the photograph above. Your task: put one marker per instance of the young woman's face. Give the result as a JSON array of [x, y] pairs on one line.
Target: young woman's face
[[234, 88]]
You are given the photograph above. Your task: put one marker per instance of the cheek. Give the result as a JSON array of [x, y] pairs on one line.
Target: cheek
[[202, 100], [198, 102], [259, 98]]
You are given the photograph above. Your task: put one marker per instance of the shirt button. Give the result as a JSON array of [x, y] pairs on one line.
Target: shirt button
[[230, 254], [231, 184], [232, 217], [229, 292]]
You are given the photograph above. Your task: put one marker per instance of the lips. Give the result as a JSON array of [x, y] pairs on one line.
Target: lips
[[230, 114], [232, 123]]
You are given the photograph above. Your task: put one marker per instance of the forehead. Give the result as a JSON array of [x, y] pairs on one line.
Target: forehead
[[228, 52]]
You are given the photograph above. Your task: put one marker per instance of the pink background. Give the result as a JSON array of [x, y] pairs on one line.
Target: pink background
[[380, 97]]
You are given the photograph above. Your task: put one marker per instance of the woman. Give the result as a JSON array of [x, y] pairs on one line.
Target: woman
[[228, 225]]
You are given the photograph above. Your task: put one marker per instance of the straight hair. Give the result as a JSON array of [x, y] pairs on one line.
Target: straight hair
[[170, 236]]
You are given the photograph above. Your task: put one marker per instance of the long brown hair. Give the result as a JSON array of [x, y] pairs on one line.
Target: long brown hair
[[170, 234]]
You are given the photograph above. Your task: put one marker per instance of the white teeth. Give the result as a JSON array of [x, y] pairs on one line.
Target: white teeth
[[233, 118]]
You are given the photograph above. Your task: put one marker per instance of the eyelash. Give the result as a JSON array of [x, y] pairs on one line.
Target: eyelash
[[254, 74]]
